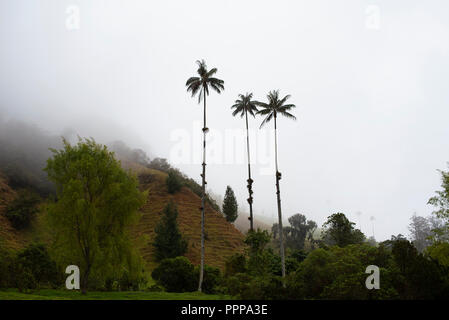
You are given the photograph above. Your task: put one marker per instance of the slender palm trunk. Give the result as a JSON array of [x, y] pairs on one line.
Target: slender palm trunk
[[250, 181], [278, 193], [203, 196]]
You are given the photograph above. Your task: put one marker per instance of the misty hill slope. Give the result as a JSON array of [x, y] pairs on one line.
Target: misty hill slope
[[242, 222], [9, 236], [222, 238]]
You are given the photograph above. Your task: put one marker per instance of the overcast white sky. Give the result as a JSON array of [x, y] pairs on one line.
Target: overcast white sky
[[369, 78]]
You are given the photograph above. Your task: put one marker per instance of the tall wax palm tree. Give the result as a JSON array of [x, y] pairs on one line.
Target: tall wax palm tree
[[200, 85], [271, 110], [243, 106]]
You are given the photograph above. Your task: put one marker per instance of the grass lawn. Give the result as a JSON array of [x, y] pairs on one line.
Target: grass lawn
[[48, 294]]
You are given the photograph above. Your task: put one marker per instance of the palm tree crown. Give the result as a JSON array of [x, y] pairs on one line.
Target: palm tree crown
[[245, 104], [205, 80], [275, 106]]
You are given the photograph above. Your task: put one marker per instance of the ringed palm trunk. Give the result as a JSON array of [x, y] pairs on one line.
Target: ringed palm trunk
[[203, 197], [278, 193], [250, 181]]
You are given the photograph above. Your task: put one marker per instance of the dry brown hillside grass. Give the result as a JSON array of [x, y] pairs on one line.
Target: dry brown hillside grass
[[222, 238]]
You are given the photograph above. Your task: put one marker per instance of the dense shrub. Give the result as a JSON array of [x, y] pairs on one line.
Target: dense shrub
[[173, 182], [247, 287], [7, 263], [235, 264], [211, 278], [35, 268], [22, 210], [236, 284], [176, 275], [264, 288]]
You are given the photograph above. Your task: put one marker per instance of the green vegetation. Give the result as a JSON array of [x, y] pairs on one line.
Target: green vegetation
[[336, 272], [338, 230], [49, 294], [7, 265], [28, 269], [441, 203], [161, 164], [173, 181], [169, 242], [35, 268], [179, 275], [96, 202], [230, 207], [297, 233], [175, 275], [23, 209]]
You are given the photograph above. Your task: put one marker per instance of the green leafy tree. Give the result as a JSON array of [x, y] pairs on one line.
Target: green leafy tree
[[173, 182], [169, 242], [243, 106], [296, 234], [275, 107], [441, 202], [420, 232], [96, 202], [22, 210], [418, 277], [200, 85], [339, 273], [257, 240], [440, 252], [259, 259], [338, 230], [230, 207]]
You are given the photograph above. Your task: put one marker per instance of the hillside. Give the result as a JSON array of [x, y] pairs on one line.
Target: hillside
[[222, 238], [8, 235]]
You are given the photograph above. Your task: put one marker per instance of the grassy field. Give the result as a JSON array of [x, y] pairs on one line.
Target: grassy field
[[47, 294]]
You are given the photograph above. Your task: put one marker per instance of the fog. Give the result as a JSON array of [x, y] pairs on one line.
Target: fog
[[369, 79]]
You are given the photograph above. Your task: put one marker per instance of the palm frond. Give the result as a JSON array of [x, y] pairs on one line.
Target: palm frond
[[194, 87], [191, 80], [283, 100], [217, 87], [211, 72], [266, 120], [237, 111], [287, 115], [264, 111]]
